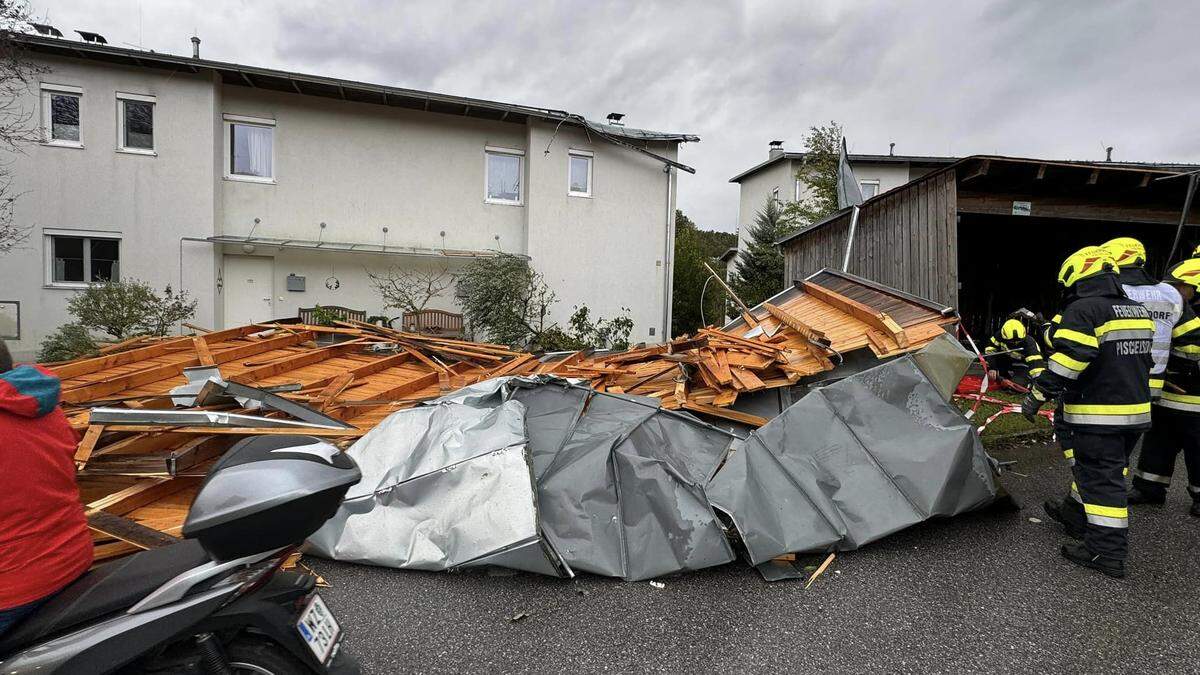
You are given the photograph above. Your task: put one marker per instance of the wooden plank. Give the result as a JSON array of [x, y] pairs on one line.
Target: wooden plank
[[792, 321], [725, 413], [127, 530], [748, 380], [332, 390], [512, 366], [83, 452], [139, 494], [859, 311], [246, 431], [93, 365], [202, 353]]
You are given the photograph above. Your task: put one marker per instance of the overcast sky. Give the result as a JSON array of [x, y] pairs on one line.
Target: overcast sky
[[1059, 79]]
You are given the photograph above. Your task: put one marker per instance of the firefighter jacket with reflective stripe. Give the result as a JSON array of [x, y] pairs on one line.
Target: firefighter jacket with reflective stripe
[[1165, 305], [1182, 389], [1021, 347], [1100, 365]]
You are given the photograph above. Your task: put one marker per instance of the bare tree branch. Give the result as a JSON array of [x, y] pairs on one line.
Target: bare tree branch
[[410, 290], [18, 124]]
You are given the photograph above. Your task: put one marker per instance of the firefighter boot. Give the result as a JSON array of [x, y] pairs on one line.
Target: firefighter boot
[[1078, 554], [1055, 511]]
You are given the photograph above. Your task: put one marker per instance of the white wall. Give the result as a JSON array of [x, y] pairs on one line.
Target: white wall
[[756, 188], [151, 201], [606, 251], [359, 167]]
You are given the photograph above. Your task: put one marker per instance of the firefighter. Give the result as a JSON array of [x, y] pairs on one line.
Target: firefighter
[[1014, 351], [1100, 367], [1164, 302], [1177, 413]]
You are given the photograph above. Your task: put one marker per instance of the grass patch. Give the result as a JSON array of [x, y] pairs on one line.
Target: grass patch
[[1007, 425]]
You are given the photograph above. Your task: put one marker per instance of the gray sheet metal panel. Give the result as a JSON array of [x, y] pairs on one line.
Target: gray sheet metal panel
[[853, 462], [944, 361], [443, 486]]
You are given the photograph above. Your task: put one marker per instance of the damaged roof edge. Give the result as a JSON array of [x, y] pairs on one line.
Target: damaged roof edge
[[364, 91]]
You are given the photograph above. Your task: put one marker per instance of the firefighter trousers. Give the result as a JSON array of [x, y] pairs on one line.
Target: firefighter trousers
[[1097, 504], [1173, 430]]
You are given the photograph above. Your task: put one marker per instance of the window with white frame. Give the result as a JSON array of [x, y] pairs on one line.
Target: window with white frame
[[579, 173], [60, 114], [503, 179], [83, 258], [135, 123], [869, 188], [775, 193], [250, 142]]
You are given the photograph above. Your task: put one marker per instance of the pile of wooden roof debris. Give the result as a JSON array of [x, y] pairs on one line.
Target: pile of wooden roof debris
[[155, 414]]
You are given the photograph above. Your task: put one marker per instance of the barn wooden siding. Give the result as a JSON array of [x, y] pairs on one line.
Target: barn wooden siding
[[906, 239]]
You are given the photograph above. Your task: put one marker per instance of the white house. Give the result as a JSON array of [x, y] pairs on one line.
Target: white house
[[779, 178], [262, 191]]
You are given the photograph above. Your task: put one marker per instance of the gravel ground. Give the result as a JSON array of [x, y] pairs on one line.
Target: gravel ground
[[986, 592]]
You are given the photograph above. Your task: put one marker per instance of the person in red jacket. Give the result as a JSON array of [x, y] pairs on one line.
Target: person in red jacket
[[44, 539]]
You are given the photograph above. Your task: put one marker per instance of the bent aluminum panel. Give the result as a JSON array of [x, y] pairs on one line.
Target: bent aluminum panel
[[197, 418]]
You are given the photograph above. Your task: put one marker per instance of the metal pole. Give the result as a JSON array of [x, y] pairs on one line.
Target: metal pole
[[850, 239], [1187, 207]]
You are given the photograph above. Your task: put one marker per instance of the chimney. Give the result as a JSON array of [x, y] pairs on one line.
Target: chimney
[[891, 149], [1108, 154], [615, 119], [776, 150], [195, 47]]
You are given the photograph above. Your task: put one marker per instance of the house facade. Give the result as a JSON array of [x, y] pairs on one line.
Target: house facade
[[778, 178], [261, 191]]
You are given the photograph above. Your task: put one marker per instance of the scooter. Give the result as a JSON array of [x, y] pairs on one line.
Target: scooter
[[216, 602]]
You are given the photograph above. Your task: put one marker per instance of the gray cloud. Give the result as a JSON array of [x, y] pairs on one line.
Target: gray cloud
[[1055, 79]]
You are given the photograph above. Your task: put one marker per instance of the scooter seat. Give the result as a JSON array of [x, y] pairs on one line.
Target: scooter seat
[[104, 590]]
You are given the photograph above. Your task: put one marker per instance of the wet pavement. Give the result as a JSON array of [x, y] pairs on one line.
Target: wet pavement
[[985, 592]]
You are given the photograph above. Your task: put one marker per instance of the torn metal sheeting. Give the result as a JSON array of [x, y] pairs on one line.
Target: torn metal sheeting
[[184, 396], [444, 486], [617, 485], [195, 418], [215, 392], [853, 462]]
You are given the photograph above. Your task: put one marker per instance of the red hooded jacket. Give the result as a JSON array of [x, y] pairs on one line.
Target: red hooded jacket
[[44, 539]]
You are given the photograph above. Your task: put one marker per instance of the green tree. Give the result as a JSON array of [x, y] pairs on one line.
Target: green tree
[[822, 148], [758, 273], [693, 248], [505, 299], [129, 307]]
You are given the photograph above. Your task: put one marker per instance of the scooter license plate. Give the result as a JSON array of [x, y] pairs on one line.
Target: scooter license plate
[[318, 628]]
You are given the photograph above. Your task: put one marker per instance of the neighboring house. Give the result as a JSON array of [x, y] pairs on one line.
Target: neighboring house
[[262, 191], [777, 178]]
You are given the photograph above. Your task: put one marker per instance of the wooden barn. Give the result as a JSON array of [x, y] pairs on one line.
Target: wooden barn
[[987, 234]]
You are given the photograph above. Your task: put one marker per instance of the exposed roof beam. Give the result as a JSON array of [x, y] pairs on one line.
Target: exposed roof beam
[[342, 91], [247, 79], [1041, 172], [980, 170], [296, 86], [1145, 180], [1093, 177]]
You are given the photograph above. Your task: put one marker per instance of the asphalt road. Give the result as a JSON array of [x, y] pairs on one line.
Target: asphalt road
[[986, 592]]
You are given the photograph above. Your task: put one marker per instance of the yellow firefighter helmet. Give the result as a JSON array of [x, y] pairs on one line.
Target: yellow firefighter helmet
[[1088, 261], [1126, 251]]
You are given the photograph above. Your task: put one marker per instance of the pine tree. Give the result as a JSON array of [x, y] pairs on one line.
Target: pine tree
[[759, 271]]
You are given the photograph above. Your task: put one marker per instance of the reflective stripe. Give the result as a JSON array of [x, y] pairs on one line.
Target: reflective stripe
[[1033, 357], [1064, 360], [1076, 336], [1189, 352], [1110, 511], [1070, 455], [1107, 415], [1125, 324], [1075, 493], [1152, 477], [1059, 369], [1127, 334], [1125, 472], [1156, 383], [1194, 489], [1186, 327], [1034, 372], [1106, 521], [1184, 402]]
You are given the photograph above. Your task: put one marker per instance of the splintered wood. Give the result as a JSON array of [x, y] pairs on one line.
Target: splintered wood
[[803, 332], [138, 478]]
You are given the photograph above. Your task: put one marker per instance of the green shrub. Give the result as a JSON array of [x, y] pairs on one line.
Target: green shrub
[[70, 341]]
